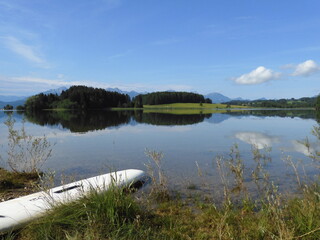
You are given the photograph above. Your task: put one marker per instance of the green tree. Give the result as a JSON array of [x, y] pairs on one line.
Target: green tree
[[171, 97], [78, 97], [8, 107], [318, 103], [138, 102], [20, 108], [208, 100]]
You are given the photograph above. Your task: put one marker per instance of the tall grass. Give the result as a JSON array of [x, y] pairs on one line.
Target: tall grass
[[113, 214], [25, 153], [159, 182]]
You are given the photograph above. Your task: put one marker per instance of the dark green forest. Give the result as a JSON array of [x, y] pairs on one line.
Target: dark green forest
[[8, 107], [78, 97], [82, 97], [156, 98], [280, 103], [318, 103]]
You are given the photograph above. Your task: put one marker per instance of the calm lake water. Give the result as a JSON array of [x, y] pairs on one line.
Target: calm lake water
[[87, 144]]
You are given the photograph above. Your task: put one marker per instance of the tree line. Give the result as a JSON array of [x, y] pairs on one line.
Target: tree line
[[78, 97], [318, 103], [157, 98], [280, 103], [82, 97]]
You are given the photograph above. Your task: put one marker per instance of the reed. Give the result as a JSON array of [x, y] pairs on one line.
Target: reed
[[25, 153]]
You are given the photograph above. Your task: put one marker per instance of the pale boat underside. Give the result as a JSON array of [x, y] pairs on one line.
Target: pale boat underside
[[19, 211]]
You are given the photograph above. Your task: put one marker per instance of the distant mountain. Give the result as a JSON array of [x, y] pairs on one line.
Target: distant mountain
[[57, 91], [217, 97], [220, 98], [11, 98], [13, 103], [240, 99], [20, 100], [132, 94], [261, 99], [218, 118]]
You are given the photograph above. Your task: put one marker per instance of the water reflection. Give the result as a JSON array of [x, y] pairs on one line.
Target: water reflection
[[99, 120], [80, 121], [304, 114], [118, 139], [260, 140], [170, 119], [305, 147]]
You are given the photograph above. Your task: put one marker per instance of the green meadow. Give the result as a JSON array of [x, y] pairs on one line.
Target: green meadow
[[191, 108]]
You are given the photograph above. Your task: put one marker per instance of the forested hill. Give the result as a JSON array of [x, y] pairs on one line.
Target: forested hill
[[156, 98], [82, 97], [281, 103], [78, 97]]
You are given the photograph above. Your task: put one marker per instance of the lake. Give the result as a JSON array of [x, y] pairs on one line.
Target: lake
[[89, 143]]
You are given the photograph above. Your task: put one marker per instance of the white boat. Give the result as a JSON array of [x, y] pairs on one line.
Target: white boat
[[19, 211]]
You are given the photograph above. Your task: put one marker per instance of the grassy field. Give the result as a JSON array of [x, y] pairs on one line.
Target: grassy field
[[193, 105], [190, 108]]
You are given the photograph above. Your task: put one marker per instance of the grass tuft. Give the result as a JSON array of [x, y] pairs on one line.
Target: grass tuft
[[112, 214]]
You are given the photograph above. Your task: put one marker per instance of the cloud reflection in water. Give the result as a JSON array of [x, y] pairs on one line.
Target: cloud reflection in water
[[260, 140]]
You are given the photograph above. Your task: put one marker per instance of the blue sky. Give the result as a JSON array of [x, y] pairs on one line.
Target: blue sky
[[246, 48]]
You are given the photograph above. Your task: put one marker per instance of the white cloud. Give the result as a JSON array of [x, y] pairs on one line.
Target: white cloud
[[26, 51], [306, 68], [260, 140], [30, 85], [257, 76]]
